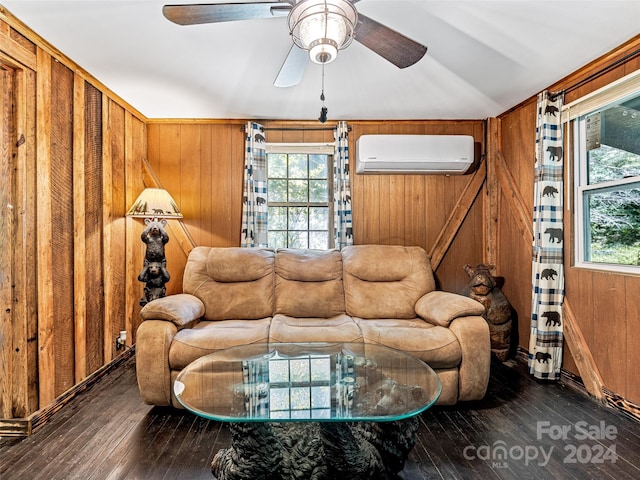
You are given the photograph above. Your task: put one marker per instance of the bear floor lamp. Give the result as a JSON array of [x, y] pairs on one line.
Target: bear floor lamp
[[155, 205]]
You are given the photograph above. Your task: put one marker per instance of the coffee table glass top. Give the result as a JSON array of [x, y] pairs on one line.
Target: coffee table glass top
[[319, 382]]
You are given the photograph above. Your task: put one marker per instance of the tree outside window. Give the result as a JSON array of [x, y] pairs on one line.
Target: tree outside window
[[300, 207], [608, 185]]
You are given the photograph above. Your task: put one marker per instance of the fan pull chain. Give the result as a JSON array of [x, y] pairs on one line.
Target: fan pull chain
[[323, 110]]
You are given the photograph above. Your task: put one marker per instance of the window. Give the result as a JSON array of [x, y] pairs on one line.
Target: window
[[607, 180], [300, 195], [300, 387]]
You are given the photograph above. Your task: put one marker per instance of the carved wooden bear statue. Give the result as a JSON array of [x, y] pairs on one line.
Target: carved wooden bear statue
[[154, 273], [155, 276], [498, 311]]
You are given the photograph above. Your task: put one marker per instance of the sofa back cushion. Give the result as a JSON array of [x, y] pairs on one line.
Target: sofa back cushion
[[233, 283], [309, 283], [385, 281]]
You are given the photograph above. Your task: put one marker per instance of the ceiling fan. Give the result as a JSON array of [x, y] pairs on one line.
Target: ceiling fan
[[319, 28]]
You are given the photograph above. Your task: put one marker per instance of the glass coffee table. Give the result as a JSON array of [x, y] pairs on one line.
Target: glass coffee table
[[310, 410]]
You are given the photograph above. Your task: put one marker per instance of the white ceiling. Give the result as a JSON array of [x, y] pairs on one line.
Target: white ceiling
[[484, 57]]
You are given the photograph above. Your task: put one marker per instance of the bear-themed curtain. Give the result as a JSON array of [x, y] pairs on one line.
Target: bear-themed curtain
[[254, 204], [343, 225], [545, 344]]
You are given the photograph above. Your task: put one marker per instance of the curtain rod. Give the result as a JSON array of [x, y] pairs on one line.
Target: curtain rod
[[296, 129], [596, 74]]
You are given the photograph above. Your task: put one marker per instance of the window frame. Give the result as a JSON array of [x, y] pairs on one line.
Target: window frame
[[316, 412], [308, 148], [575, 117]]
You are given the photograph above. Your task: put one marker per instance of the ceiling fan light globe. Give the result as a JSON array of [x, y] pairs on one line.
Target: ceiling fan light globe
[[313, 21], [323, 51]]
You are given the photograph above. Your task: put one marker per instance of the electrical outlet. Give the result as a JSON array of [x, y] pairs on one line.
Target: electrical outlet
[[121, 340]]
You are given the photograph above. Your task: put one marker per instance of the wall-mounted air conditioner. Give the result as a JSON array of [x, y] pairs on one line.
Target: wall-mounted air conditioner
[[426, 154]]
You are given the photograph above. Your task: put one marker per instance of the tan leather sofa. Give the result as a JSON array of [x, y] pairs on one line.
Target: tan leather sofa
[[375, 294]]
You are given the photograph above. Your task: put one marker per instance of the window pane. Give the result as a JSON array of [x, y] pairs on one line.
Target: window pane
[[321, 369], [317, 166], [298, 190], [278, 371], [277, 239], [277, 218], [277, 190], [319, 240], [613, 142], [298, 240], [300, 370], [318, 218], [608, 163], [279, 398], [277, 165], [612, 219], [321, 413], [300, 398], [321, 397], [298, 165], [318, 191], [298, 218]]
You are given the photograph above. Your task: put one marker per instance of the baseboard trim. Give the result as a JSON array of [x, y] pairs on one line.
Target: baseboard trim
[[611, 399], [21, 427]]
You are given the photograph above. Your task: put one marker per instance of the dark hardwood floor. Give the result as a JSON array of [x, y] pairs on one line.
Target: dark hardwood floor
[[523, 429]]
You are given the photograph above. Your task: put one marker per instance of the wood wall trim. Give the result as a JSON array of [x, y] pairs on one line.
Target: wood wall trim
[[205, 121], [46, 358], [457, 215], [491, 205], [17, 246], [25, 372], [508, 186], [107, 254], [608, 398], [7, 245], [18, 427], [17, 52], [79, 235], [131, 242], [581, 354]]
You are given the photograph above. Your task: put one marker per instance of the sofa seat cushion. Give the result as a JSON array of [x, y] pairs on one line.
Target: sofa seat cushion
[[340, 328], [207, 337], [435, 345]]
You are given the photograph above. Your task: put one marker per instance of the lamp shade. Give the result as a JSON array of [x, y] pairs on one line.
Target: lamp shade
[[154, 203]]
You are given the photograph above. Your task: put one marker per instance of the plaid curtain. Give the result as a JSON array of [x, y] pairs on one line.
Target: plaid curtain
[[254, 205], [545, 343], [256, 387], [343, 225]]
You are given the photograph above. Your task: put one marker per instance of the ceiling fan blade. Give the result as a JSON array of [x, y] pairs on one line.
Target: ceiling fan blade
[[293, 68], [195, 14], [389, 44]]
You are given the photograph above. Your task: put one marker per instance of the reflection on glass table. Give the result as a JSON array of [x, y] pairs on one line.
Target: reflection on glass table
[[307, 382]]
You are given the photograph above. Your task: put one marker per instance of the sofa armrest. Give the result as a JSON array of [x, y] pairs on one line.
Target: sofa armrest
[[441, 308], [153, 373], [475, 343], [181, 309]]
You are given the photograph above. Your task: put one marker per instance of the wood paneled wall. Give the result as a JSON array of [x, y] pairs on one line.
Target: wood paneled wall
[[71, 164], [605, 305], [201, 164], [72, 159]]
